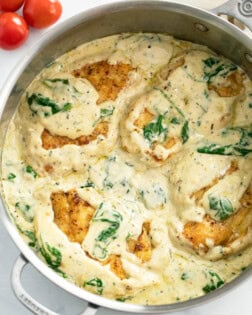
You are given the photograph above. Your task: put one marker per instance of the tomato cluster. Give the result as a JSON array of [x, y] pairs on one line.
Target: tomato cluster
[[14, 29]]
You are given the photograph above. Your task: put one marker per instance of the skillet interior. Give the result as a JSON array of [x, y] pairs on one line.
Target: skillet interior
[[132, 17]]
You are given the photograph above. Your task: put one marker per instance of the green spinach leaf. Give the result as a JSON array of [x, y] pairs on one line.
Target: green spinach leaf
[[106, 112], [222, 206], [88, 183], [211, 61], [154, 129], [53, 257], [185, 132], [213, 67], [224, 150], [175, 121], [95, 282], [245, 134], [28, 169], [11, 177], [31, 235], [215, 282], [50, 107], [184, 276], [25, 210], [99, 251], [124, 298], [113, 218]]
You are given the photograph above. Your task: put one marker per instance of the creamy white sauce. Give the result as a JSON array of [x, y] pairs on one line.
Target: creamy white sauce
[[131, 182]]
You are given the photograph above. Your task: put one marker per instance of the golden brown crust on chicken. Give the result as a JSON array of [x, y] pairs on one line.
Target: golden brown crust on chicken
[[108, 79], [143, 119], [197, 195], [224, 232], [50, 141], [116, 266], [199, 232], [72, 214], [233, 86], [170, 142], [141, 247]]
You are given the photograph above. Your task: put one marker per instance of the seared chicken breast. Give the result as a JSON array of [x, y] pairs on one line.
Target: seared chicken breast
[[108, 79]]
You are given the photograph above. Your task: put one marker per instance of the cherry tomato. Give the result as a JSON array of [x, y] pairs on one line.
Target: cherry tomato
[[10, 5], [13, 30], [42, 13]]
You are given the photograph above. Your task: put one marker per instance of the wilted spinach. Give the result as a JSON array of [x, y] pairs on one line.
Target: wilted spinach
[[105, 112], [222, 206], [154, 129], [53, 257], [50, 107], [224, 150], [237, 149], [88, 183], [32, 237], [11, 177], [95, 282], [184, 276], [185, 132], [25, 210], [215, 282], [245, 134], [214, 67], [28, 169], [113, 218], [124, 298]]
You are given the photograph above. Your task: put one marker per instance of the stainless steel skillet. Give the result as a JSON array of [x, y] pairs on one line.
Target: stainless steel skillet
[[181, 21]]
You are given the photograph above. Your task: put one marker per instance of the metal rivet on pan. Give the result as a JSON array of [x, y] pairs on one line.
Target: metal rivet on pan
[[248, 57], [201, 27]]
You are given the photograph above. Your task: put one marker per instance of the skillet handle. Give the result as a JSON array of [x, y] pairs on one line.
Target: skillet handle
[[25, 297], [239, 9]]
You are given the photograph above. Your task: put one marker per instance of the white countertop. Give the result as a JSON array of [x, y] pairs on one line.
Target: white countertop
[[237, 301]]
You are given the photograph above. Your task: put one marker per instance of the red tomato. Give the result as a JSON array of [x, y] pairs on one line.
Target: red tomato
[[13, 30], [10, 5], [42, 13]]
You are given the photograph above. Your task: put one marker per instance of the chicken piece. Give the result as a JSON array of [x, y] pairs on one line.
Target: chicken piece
[[231, 87], [107, 79], [197, 195], [224, 232], [115, 262], [144, 118], [72, 214], [116, 266], [198, 233], [50, 141], [170, 142], [141, 247]]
